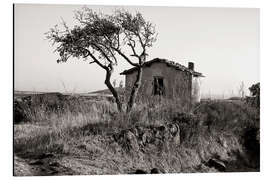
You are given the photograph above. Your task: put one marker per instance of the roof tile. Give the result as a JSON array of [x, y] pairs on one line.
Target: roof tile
[[169, 63]]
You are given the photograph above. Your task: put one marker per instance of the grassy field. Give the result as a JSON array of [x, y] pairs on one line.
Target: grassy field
[[61, 135]]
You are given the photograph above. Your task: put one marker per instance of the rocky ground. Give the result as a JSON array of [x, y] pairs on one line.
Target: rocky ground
[[69, 136], [131, 151], [57, 166]]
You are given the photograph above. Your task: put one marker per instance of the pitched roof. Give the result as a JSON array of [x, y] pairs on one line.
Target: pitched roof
[[173, 64]]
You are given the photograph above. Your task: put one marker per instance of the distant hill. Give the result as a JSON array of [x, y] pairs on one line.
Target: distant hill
[[28, 92], [104, 91]]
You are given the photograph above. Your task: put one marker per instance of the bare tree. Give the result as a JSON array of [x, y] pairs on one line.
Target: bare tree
[[121, 84], [114, 83], [101, 38], [241, 90]]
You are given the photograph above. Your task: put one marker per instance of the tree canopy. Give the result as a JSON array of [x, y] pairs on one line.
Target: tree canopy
[[104, 38]]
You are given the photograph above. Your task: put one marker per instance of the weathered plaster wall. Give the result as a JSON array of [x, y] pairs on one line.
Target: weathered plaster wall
[[177, 83], [196, 89]]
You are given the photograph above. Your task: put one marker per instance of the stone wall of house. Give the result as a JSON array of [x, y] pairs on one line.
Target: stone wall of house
[[196, 89], [177, 83]]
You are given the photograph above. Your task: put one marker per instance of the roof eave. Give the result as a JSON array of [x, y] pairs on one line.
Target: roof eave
[[168, 63]]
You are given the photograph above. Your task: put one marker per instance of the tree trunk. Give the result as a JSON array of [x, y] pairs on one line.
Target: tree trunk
[[113, 91], [134, 90]]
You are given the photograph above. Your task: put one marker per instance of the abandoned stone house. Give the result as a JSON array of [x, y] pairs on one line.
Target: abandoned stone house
[[164, 78]]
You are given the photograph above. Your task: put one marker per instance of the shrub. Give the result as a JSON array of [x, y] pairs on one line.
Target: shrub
[[255, 99]]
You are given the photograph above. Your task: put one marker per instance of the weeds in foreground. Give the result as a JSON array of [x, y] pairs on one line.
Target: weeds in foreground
[[81, 128]]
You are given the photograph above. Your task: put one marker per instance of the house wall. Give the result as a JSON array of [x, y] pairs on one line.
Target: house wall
[[196, 89], [177, 83]]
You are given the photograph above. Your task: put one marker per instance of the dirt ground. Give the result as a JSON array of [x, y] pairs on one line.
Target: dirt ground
[[46, 166], [51, 165]]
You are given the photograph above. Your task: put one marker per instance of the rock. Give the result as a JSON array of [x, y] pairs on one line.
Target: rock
[[175, 133], [146, 137], [161, 128], [139, 171], [127, 140], [132, 140], [154, 171], [222, 141], [21, 167], [135, 132], [53, 172], [217, 164], [55, 164], [82, 146], [46, 155], [36, 162]]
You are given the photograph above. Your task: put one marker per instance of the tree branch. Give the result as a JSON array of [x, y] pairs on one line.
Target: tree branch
[[95, 59], [102, 52], [125, 57], [112, 54]]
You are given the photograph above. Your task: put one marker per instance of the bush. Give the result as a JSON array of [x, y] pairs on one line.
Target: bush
[[227, 116], [19, 113], [255, 99]]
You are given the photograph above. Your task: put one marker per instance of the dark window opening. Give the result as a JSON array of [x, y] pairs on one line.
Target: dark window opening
[[159, 88]]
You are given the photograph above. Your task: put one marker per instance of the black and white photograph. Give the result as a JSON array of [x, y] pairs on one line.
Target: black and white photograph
[[110, 90]]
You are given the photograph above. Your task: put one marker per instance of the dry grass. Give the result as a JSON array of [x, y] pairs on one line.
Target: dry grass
[[81, 132]]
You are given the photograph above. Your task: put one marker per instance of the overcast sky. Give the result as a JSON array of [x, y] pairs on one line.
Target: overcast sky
[[222, 42]]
